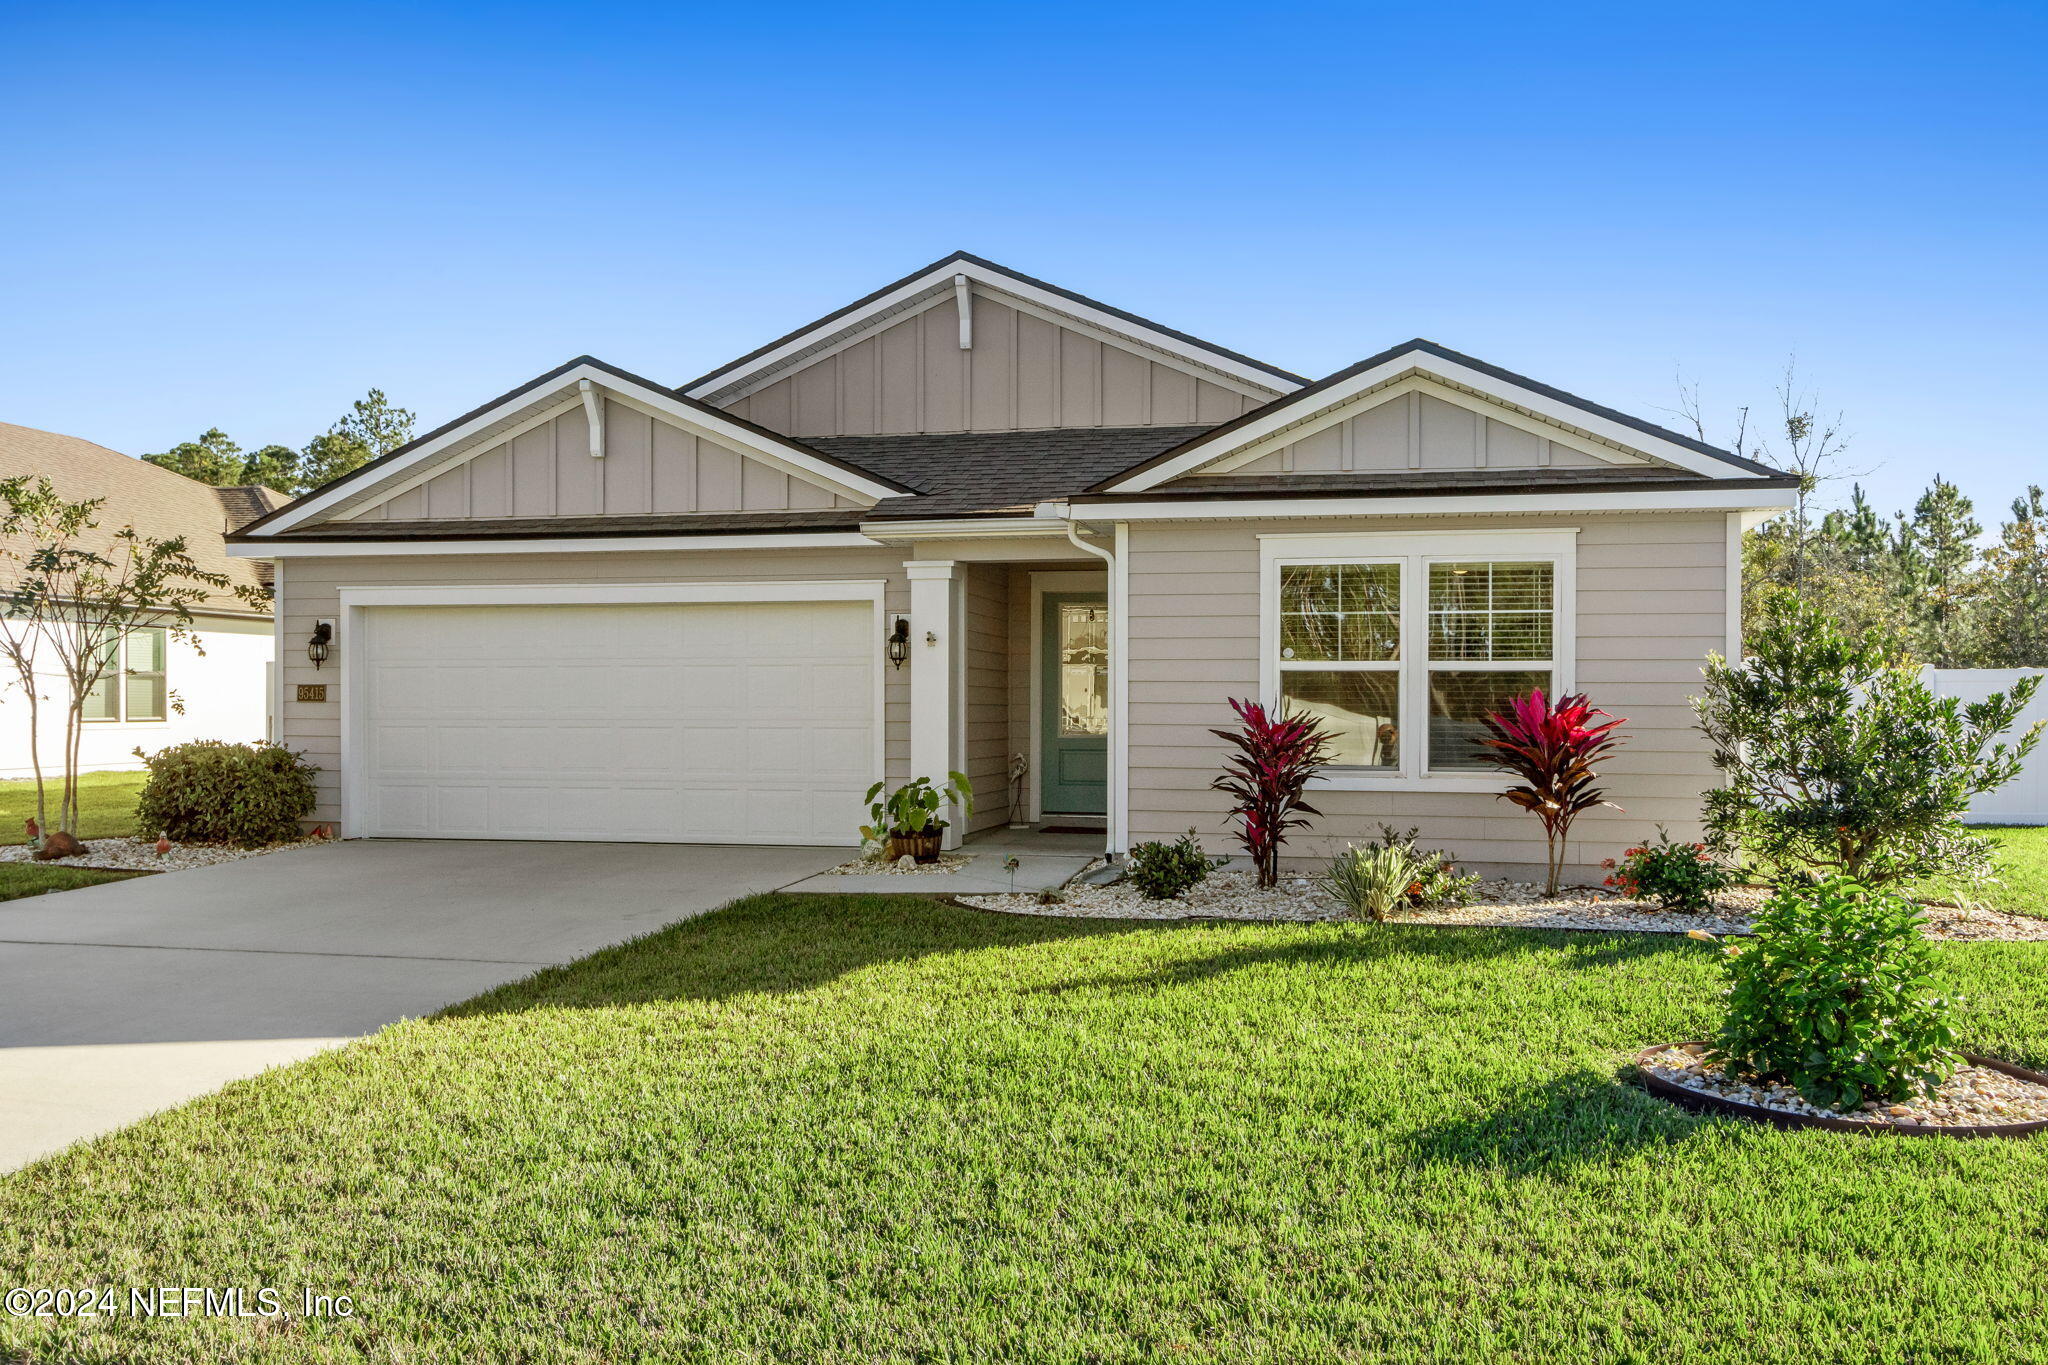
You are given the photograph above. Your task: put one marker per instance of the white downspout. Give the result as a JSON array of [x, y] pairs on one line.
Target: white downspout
[[1119, 766], [593, 413]]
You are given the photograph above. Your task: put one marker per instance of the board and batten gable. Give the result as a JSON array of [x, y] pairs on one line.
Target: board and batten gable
[[1022, 372], [1416, 431], [1651, 602], [312, 587], [650, 468]]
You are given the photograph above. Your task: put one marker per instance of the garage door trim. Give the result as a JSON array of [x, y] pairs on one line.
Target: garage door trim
[[354, 601]]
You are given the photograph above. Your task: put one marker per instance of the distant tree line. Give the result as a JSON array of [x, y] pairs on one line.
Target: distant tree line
[[1928, 578], [371, 428]]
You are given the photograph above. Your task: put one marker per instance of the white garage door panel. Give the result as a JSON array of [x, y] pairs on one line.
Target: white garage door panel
[[691, 723]]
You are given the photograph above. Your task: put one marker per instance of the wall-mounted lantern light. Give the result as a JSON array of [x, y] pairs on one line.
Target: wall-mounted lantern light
[[316, 647], [899, 642]]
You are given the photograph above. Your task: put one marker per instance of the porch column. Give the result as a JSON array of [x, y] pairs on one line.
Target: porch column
[[934, 598]]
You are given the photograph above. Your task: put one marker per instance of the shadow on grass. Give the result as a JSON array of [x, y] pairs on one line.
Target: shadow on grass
[[1356, 944], [1584, 1116], [776, 944]]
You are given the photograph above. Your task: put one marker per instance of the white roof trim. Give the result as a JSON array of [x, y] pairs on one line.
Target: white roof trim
[[937, 282], [328, 549], [1562, 500], [1451, 372], [1358, 405], [323, 504]]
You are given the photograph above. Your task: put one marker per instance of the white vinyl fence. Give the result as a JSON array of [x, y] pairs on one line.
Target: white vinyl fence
[[2024, 800]]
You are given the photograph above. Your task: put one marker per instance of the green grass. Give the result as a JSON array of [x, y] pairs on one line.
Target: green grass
[[2023, 868], [33, 879], [106, 805], [879, 1129]]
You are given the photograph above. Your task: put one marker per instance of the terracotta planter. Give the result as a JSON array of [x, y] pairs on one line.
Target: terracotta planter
[[1701, 1103], [923, 846]]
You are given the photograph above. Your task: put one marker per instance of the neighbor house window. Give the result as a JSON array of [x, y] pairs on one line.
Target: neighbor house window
[[1402, 644], [132, 686]]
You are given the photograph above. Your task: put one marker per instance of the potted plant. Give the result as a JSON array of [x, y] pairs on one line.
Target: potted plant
[[907, 819]]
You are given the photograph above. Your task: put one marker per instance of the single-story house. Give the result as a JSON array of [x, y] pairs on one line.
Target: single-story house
[[977, 521], [213, 684]]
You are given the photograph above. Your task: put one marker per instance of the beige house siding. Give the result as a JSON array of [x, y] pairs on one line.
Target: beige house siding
[[312, 590], [985, 691], [1651, 602], [1022, 373], [1417, 431], [650, 467]]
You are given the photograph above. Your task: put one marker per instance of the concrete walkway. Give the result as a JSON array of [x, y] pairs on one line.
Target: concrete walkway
[[121, 999], [1045, 862]]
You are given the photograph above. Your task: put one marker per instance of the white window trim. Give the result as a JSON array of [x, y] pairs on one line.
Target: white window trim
[[1416, 551], [355, 601]]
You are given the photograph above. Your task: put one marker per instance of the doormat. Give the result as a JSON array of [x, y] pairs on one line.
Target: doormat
[[1072, 829]]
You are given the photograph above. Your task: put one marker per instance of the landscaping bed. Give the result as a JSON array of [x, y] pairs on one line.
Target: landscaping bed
[[140, 855], [1985, 1098], [1232, 894]]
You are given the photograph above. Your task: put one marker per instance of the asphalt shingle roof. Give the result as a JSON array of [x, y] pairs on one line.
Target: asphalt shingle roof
[[974, 473], [155, 501]]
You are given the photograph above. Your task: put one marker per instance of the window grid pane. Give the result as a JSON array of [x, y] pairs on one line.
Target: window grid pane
[[1487, 612], [1340, 613]]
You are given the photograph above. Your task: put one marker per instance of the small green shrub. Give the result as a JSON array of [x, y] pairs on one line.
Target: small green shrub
[[1674, 874], [1833, 995], [1435, 879], [1371, 879], [214, 792], [1163, 871]]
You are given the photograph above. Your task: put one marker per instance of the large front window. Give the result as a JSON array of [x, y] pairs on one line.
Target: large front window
[[1403, 647]]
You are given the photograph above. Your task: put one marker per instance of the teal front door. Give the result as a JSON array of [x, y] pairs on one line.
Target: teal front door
[[1073, 760]]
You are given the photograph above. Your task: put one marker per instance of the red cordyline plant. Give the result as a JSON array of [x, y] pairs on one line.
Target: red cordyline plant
[[1276, 756], [1550, 746]]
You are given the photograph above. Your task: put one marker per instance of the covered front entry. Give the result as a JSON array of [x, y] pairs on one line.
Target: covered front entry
[[673, 721]]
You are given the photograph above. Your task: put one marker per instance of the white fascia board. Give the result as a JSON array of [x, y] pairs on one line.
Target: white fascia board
[[1457, 504], [719, 427], [322, 549], [1448, 371], [941, 279], [957, 528]]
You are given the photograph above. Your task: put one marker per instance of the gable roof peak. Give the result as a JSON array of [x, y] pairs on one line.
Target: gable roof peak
[[928, 282]]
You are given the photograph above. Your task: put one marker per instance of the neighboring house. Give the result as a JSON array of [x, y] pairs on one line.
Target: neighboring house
[[601, 608], [220, 678]]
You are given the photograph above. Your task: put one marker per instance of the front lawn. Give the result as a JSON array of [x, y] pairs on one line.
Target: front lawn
[[877, 1128], [2023, 866], [106, 805], [33, 879]]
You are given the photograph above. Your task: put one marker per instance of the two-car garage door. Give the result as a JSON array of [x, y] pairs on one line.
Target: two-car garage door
[[695, 722]]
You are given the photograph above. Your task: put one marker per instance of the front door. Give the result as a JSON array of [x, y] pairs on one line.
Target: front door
[[1073, 763]]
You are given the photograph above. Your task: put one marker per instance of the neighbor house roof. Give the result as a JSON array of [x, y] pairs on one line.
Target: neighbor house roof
[[155, 501]]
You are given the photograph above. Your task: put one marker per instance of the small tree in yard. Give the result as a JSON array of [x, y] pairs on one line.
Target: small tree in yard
[[73, 594], [1276, 756], [1550, 746], [1836, 757]]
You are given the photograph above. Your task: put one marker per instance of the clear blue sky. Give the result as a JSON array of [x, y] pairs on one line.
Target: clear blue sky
[[212, 215]]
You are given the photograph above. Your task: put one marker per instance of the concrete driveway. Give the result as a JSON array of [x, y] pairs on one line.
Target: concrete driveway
[[121, 999]]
